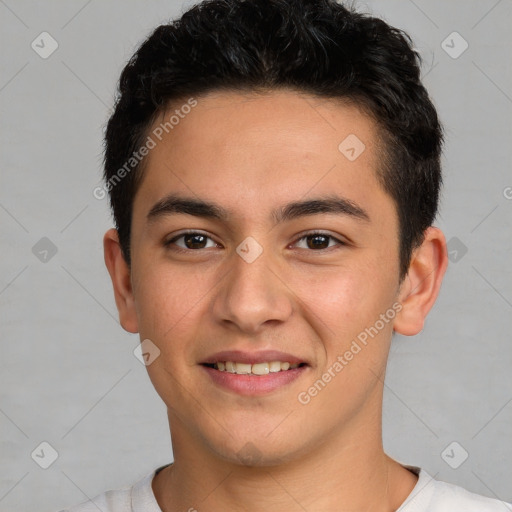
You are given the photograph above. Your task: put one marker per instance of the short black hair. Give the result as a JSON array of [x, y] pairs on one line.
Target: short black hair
[[318, 47]]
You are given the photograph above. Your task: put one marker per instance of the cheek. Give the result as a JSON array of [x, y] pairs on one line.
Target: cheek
[[347, 299], [168, 302], [170, 305], [354, 340]]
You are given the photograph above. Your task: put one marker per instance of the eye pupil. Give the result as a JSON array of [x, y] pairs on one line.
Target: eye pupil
[[195, 244], [317, 241]]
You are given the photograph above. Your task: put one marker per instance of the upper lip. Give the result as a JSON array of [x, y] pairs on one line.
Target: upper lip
[[262, 356]]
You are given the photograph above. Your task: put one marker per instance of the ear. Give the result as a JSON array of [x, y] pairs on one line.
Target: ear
[[121, 280], [421, 285]]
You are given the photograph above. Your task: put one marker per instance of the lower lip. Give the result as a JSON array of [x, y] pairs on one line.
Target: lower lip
[[254, 384]]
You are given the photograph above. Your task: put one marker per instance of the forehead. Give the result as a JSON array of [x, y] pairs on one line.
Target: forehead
[[244, 148]]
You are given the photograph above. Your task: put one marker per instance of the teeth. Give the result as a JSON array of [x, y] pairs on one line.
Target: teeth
[[260, 368], [275, 366], [243, 368], [256, 368]]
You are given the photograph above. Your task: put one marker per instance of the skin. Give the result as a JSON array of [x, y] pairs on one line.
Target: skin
[[252, 153]]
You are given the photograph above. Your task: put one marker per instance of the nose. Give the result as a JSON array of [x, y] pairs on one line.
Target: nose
[[253, 295]]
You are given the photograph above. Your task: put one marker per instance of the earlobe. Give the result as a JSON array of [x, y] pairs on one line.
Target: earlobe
[[421, 286], [121, 280]]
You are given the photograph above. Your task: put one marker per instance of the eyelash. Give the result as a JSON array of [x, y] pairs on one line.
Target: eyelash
[[168, 243]]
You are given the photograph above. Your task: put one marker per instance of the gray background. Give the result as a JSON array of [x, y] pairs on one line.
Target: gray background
[[69, 376]]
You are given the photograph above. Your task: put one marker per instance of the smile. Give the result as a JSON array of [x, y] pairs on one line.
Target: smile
[[263, 368]]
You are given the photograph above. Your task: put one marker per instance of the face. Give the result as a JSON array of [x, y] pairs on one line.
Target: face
[[258, 240]]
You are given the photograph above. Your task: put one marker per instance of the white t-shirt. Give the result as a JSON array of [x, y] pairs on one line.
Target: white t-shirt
[[428, 495]]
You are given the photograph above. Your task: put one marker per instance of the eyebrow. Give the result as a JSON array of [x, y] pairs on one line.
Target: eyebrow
[[176, 204]]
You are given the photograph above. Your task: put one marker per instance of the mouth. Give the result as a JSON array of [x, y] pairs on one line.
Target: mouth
[[255, 373], [257, 369]]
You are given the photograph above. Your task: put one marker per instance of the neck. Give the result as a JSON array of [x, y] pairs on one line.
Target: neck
[[349, 471]]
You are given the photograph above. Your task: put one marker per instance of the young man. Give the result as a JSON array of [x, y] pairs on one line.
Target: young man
[[273, 169]]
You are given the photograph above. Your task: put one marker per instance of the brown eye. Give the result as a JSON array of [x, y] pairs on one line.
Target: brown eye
[[318, 241], [191, 241], [195, 241]]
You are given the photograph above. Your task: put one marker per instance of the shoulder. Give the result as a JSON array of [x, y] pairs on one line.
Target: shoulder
[[430, 495], [452, 498], [138, 497], [110, 501]]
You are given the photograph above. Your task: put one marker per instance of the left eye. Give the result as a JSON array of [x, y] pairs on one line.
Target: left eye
[[318, 241]]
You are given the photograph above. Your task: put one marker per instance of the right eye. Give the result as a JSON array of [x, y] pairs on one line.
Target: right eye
[[191, 240]]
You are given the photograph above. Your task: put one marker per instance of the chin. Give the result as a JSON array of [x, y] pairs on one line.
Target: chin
[[259, 451]]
